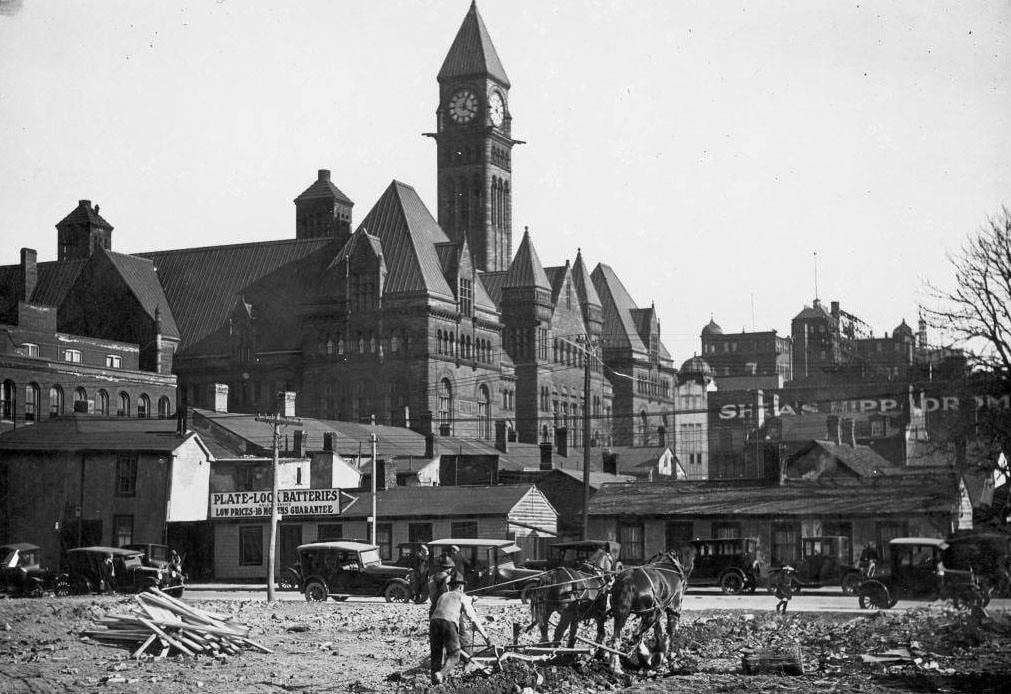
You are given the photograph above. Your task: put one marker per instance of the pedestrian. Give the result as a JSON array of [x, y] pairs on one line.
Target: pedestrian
[[869, 559], [444, 631], [439, 582], [108, 577], [784, 588], [420, 565]]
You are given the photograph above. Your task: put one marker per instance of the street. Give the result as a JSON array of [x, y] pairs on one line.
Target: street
[[697, 599]]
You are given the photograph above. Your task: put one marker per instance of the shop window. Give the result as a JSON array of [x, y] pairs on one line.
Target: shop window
[[126, 474], [785, 543], [631, 536], [251, 545], [122, 530], [384, 538]]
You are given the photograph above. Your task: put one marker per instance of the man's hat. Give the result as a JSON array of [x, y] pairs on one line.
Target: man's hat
[[457, 580], [454, 549], [789, 568], [447, 562]]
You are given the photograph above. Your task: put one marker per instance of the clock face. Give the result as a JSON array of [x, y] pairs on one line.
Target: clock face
[[463, 106], [496, 109]]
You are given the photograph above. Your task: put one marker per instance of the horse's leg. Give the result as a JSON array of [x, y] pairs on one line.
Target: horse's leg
[[621, 606], [573, 625], [673, 622]]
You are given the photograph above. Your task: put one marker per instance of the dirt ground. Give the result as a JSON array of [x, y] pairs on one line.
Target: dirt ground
[[370, 647]]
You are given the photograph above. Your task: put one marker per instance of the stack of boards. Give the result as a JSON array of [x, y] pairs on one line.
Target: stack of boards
[[162, 625]]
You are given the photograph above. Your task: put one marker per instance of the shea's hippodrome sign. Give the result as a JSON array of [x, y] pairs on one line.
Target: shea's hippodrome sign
[[290, 502]]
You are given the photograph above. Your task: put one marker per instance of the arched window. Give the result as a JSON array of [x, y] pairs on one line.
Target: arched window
[[32, 402], [466, 349], [143, 406], [8, 397], [124, 405], [103, 403], [438, 342], [55, 401], [164, 407], [483, 417], [80, 400], [445, 407]]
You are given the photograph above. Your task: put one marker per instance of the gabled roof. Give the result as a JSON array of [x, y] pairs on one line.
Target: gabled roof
[[584, 285], [684, 499], [472, 52], [526, 269], [597, 479], [493, 282], [92, 433], [619, 325], [54, 281], [203, 284], [402, 502], [863, 461], [408, 233], [140, 276], [362, 236]]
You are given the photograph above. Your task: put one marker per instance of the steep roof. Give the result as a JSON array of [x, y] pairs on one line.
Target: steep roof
[[140, 276], [85, 213], [862, 460], [409, 235], [584, 285], [323, 188], [203, 284], [526, 269], [619, 324], [472, 52], [91, 433], [445, 501], [54, 281], [688, 499], [816, 311], [493, 282]]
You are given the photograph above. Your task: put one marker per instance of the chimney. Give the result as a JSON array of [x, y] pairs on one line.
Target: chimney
[[848, 435], [218, 396], [835, 309], [546, 463], [562, 440], [834, 434], [501, 444], [429, 446], [289, 403], [299, 449], [323, 175], [29, 274]]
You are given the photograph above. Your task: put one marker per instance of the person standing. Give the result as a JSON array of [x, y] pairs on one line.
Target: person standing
[[869, 559], [601, 560], [439, 582], [444, 632], [784, 588], [420, 565], [109, 574]]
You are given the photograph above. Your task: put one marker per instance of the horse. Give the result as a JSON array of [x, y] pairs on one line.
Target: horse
[[575, 595], [651, 591]]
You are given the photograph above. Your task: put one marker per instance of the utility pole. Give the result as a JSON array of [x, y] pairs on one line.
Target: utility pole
[[276, 421], [375, 467], [587, 422]]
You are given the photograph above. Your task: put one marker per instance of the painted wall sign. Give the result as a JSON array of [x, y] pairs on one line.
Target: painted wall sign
[[290, 502], [944, 403]]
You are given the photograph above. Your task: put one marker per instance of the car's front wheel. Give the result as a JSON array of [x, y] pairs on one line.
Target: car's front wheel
[[315, 591], [396, 592], [732, 583], [875, 594]]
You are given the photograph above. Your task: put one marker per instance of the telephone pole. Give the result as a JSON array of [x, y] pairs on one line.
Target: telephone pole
[[276, 421], [587, 346], [375, 467]]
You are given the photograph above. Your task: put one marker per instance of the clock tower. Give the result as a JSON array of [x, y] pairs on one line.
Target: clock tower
[[475, 147]]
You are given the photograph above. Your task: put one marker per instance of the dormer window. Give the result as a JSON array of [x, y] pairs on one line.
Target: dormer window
[[30, 349], [113, 361], [72, 355], [466, 297]]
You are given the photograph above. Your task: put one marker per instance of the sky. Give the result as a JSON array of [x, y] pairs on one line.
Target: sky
[[731, 159]]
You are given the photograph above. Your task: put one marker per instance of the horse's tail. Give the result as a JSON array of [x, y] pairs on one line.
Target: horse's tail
[[622, 597]]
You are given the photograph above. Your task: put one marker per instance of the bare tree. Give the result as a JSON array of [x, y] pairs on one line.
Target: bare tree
[[977, 314]]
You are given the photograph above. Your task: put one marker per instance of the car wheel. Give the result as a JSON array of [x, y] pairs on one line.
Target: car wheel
[[732, 583], [288, 580], [875, 594], [61, 589], [396, 592], [850, 581], [316, 592]]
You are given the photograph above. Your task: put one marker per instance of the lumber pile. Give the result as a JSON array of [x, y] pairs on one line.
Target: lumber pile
[[161, 625]]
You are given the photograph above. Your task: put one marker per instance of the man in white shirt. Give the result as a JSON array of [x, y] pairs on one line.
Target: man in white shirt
[[444, 631]]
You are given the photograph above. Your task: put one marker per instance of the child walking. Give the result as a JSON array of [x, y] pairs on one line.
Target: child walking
[[784, 588]]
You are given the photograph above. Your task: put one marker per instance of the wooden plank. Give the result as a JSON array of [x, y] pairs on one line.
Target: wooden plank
[[253, 644], [155, 628], [143, 646], [598, 645]]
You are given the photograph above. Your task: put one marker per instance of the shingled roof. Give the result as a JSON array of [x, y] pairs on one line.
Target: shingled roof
[[472, 52], [84, 213], [54, 281], [323, 188], [91, 433], [679, 499], [440, 502], [526, 269], [619, 323], [141, 278]]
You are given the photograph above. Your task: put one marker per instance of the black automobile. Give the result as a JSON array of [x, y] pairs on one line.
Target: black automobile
[[986, 554], [89, 572], [341, 569], [488, 566], [22, 575], [574, 554], [291, 576], [916, 571], [730, 563]]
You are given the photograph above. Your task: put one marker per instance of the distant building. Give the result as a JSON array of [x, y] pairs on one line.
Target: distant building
[[691, 417], [759, 359]]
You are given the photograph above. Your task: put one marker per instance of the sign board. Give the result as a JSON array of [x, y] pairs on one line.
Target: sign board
[[290, 502]]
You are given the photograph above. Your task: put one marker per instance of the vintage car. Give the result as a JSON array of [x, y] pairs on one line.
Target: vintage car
[[407, 553], [342, 568], [291, 577], [21, 574], [88, 575], [574, 554], [986, 554], [824, 561], [488, 566], [915, 570], [730, 563]]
